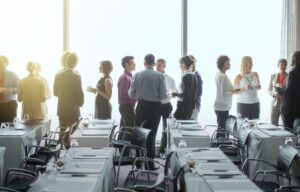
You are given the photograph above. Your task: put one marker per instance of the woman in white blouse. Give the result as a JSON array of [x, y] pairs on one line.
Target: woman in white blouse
[[247, 82], [225, 91]]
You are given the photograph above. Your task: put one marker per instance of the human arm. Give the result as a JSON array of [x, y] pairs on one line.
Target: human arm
[[108, 89]]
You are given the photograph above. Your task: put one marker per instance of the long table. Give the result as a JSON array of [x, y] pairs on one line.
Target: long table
[[262, 142], [16, 138], [95, 134], [214, 172], [85, 170], [193, 134]]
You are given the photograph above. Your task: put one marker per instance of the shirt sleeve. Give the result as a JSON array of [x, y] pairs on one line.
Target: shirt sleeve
[[133, 86]]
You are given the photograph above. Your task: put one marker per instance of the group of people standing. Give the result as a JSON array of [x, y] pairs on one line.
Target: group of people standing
[[284, 89], [146, 96]]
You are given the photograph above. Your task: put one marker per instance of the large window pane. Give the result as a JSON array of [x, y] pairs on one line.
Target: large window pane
[[32, 30], [101, 30], [235, 28]]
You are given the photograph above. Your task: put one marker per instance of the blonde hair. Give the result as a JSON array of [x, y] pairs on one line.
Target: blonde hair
[[245, 61], [4, 60], [63, 58], [32, 67]]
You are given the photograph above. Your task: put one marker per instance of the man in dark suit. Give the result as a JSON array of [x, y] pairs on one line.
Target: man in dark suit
[[290, 107], [68, 90]]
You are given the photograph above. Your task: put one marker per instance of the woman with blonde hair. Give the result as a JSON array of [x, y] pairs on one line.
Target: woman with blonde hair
[[32, 92], [104, 91], [246, 84]]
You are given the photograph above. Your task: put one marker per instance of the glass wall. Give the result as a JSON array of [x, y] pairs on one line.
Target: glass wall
[[32, 30], [235, 28], [101, 30]]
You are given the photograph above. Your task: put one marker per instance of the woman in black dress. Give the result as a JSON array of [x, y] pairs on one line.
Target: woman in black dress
[[104, 91], [187, 89]]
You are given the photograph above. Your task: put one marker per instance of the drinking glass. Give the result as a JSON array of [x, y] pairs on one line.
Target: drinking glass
[[74, 143], [182, 144], [288, 141], [26, 118], [16, 122]]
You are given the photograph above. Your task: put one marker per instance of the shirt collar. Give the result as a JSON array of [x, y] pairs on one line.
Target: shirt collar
[[128, 73]]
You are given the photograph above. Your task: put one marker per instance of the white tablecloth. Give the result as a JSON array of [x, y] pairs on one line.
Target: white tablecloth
[[16, 139], [90, 140], [79, 180], [215, 172]]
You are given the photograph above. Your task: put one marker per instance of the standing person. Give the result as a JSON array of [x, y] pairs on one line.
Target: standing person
[[290, 107], [199, 90], [126, 103], [148, 87], [33, 93], [276, 89], [187, 90], [166, 106], [8, 90], [247, 81], [224, 87], [104, 91], [68, 90]]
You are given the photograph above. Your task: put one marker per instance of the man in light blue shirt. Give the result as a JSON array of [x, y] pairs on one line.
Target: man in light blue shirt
[[148, 87]]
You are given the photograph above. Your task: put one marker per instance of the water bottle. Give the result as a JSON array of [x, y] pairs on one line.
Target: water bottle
[[288, 141]]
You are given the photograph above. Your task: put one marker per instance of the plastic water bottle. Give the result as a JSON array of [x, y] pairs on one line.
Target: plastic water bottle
[[288, 141]]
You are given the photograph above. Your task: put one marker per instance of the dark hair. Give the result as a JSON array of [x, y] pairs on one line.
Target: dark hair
[[188, 60], [296, 58], [106, 67], [283, 61], [150, 59], [222, 59], [126, 59], [161, 61]]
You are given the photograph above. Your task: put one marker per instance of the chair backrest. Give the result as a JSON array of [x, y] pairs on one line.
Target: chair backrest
[[243, 136], [296, 126], [140, 136], [286, 157], [111, 135], [230, 124]]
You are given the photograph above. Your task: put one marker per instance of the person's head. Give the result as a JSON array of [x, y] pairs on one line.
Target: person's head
[[246, 65], [128, 63], [3, 63], [105, 67], [63, 58], [296, 59], [161, 65], [71, 60], [282, 64], [187, 62], [223, 63], [149, 60], [32, 67]]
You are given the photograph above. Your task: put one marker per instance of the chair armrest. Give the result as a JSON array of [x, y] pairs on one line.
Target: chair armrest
[[258, 160], [123, 189], [146, 159]]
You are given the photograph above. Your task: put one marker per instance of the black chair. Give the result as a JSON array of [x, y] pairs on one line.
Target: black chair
[[296, 126], [37, 161], [172, 177], [119, 189], [4, 189], [145, 180], [137, 147], [19, 179], [286, 158], [288, 189]]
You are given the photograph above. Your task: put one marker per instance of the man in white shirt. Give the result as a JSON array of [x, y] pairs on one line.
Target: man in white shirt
[[166, 107]]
